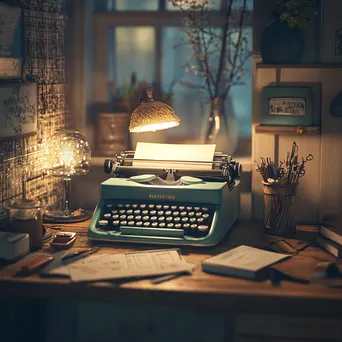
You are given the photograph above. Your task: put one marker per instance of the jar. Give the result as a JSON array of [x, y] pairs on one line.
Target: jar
[[279, 209], [26, 216]]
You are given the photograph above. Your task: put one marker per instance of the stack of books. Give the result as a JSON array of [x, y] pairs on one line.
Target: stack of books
[[330, 239]]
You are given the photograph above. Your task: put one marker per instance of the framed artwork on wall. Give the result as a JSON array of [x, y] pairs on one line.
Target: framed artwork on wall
[[291, 105], [18, 110], [11, 41]]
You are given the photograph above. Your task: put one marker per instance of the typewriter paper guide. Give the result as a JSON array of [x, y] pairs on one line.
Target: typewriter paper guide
[[174, 155]]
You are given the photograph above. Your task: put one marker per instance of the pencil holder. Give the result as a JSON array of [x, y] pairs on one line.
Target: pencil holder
[[279, 209]]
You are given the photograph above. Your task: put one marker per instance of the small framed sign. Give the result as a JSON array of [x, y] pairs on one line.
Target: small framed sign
[[18, 109], [11, 38], [287, 105]]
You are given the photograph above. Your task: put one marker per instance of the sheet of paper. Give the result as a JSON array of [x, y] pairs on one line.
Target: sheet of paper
[[171, 153], [246, 257], [119, 266]]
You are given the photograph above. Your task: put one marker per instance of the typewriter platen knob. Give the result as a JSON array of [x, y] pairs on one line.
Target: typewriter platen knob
[[108, 166], [237, 170]]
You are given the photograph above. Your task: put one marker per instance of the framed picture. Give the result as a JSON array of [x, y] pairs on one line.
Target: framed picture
[[11, 38], [289, 105], [18, 109]]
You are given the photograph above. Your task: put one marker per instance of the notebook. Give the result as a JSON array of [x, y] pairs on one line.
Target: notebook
[[330, 246], [243, 261]]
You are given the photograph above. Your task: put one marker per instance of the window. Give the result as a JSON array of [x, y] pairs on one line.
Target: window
[[141, 36]]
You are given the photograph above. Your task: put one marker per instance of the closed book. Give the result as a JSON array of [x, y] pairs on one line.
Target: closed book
[[330, 246], [243, 261], [332, 233]]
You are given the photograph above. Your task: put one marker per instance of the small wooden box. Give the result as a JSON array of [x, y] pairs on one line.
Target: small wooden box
[[112, 133], [289, 105]]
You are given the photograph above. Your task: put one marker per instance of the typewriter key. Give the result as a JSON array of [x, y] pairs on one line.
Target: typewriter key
[[176, 219], [153, 212], [103, 224], [107, 216], [178, 225], [116, 223], [146, 218], [161, 218], [205, 216], [136, 212], [131, 223], [203, 230], [173, 207], [138, 218], [142, 206], [193, 229], [186, 227], [151, 206], [139, 224], [205, 209], [183, 213], [154, 224], [162, 225], [192, 220], [200, 220], [146, 224], [145, 212], [175, 213], [120, 205], [127, 205], [123, 217], [109, 206], [198, 214], [159, 206], [189, 208], [160, 213], [169, 219], [134, 206], [170, 225], [122, 212], [167, 213], [166, 206], [185, 219], [181, 208], [130, 217], [114, 212], [153, 218], [129, 212], [123, 223], [197, 208], [191, 213]]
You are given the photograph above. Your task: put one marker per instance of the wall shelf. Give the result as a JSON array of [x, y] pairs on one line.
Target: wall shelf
[[297, 66], [288, 130]]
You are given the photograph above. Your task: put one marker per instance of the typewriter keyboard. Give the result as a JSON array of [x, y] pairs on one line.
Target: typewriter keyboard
[[165, 220]]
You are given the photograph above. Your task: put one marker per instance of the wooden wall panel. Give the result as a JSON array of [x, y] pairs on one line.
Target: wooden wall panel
[[320, 191]]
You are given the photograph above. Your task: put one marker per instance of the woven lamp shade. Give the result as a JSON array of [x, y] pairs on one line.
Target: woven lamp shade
[[152, 116]]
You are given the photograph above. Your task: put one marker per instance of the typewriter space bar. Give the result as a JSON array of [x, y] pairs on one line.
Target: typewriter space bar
[[168, 232]]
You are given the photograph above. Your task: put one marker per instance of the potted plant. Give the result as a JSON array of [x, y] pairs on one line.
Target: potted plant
[[282, 40], [219, 54]]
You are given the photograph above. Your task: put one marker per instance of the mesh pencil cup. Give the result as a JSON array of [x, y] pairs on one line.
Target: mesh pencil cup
[[279, 209]]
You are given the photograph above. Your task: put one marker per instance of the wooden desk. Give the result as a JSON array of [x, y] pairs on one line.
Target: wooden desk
[[201, 291]]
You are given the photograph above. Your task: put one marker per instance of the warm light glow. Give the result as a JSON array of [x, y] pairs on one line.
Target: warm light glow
[[155, 127], [67, 153]]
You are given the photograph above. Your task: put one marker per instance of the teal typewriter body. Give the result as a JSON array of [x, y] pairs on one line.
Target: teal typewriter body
[[147, 209]]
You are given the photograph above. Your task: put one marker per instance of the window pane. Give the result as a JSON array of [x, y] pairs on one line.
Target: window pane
[[191, 105], [213, 4], [134, 52], [137, 5]]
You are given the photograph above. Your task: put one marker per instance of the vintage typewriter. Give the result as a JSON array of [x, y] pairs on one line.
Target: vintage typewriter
[[159, 205]]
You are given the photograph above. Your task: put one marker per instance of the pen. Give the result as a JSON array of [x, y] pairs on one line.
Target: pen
[[84, 251], [167, 277]]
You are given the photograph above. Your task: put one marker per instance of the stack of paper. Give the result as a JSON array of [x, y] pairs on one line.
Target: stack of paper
[[125, 265]]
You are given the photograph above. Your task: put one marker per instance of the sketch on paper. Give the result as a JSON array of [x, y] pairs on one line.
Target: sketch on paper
[[18, 109]]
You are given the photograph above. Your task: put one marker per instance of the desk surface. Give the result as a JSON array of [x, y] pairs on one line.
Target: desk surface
[[200, 289]]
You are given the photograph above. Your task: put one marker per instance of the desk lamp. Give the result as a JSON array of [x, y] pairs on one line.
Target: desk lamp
[[67, 154], [152, 115]]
